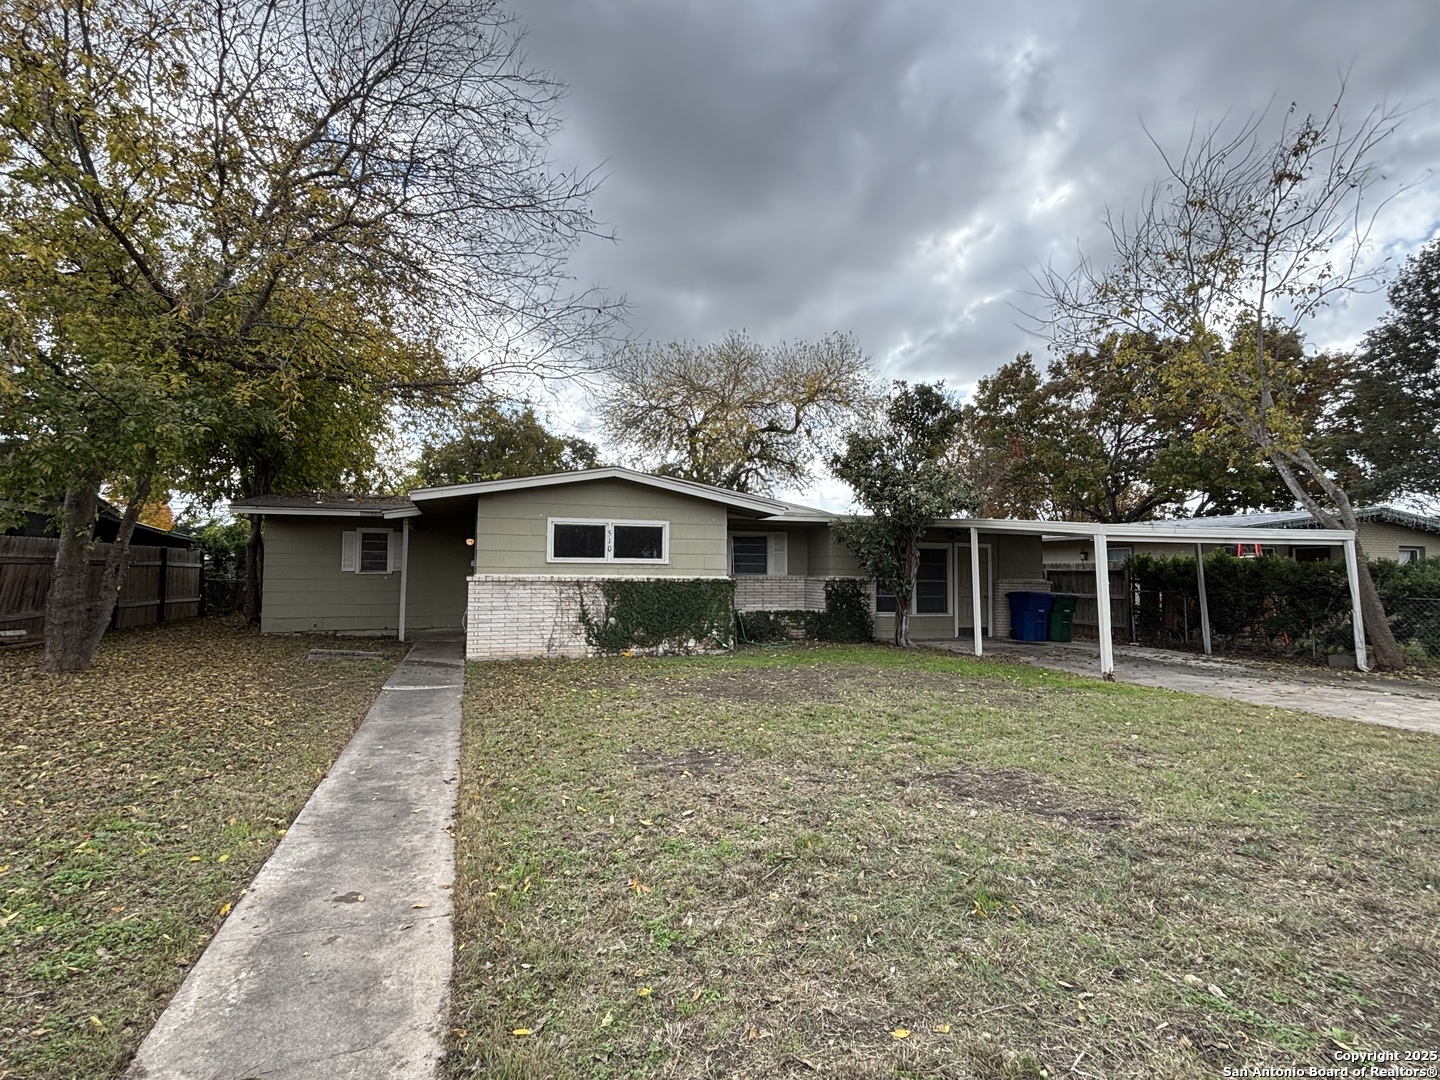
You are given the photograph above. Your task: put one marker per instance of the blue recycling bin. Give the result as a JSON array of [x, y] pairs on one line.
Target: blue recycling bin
[[1030, 615]]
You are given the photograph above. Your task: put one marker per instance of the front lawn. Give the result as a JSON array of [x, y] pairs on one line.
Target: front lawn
[[858, 862], [139, 799]]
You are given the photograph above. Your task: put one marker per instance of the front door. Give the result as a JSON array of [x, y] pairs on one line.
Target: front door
[[964, 610]]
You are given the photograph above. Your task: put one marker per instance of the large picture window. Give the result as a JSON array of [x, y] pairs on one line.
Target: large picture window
[[589, 540]]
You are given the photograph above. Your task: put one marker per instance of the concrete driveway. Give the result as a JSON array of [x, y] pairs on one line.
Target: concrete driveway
[[1375, 699]]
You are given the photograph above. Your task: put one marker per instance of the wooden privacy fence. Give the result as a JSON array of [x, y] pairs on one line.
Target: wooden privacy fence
[[1078, 579], [161, 584]]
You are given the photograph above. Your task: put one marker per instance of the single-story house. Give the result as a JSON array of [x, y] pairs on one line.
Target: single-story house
[[1383, 533], [506, 560]]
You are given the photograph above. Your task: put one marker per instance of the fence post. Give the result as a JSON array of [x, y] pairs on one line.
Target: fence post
[[164, 583]]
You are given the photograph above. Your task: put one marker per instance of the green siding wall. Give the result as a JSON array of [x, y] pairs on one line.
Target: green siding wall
[[510, 535], [305, 589]]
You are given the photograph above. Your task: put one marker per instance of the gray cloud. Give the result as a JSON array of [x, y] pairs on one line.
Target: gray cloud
[[898, 169]]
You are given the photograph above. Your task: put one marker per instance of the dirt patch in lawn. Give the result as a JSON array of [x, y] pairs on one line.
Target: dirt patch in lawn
[[1018, 789], [694, 761]]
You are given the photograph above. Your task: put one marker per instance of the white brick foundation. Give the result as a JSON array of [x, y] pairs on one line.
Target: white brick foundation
[[781, 592], [518, 616]]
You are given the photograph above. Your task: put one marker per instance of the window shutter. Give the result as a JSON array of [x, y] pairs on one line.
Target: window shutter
[[349, 551], [779, 559], [391, 555]]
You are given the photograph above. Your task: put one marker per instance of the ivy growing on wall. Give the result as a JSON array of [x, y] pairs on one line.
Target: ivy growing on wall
[[846, 618], [665, 614]]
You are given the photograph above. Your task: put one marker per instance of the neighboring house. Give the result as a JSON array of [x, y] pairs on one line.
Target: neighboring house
[[1384, 533], [107, 527], [508, 560]]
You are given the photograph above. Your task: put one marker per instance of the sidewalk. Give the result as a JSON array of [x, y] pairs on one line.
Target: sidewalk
[[336, 962], [1374, 699]]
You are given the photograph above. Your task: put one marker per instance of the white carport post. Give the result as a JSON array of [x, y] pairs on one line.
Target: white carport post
[[1204, 604], [1102, 604], [404, 570], [1357, 621], [975, 588]]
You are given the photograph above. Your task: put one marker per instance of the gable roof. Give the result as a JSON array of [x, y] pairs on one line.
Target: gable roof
[[758, 504]]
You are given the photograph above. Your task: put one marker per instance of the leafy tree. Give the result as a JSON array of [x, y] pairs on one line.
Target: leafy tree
[[904, 471], [1390, 422], [1091, 439], [737, 414], [494, 442], [1247, 234], [225, 225]]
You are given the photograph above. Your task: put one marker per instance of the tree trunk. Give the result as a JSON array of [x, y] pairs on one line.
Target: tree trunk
[[69, 608], [254, 570], [74, 620], [1386, 654]]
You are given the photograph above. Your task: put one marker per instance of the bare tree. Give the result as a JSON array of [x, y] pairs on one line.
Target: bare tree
[[1246, 236], [736, 414]]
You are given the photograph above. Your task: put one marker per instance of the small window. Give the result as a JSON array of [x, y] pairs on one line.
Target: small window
[[884, 600], [932, 584], [1116, 556], [608, 541], [1412, 554], [576, 541], [749, 555], [367, 551]]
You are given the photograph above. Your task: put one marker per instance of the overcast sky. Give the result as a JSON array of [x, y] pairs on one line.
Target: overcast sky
[[897, 169]]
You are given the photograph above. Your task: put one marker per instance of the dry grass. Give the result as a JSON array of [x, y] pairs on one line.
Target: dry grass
[[140, 798], [776, 863]]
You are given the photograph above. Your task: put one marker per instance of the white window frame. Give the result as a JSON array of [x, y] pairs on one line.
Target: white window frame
[[609, 556], [1418, 553], [1118, 556], [949, 611], [389, 535]]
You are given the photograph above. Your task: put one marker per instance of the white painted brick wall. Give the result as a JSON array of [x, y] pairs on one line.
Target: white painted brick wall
[[1003, 588], [519, 616], [780, 592]]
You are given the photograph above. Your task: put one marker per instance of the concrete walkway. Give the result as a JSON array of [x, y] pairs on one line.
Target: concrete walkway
[[336, 962], [1402, 703]]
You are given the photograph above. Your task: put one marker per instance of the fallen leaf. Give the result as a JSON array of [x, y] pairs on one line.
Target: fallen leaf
[[900, 1033], [95, 1023], [422, 904], [644, 991], [225, 908], [941, 1029], [522, 1032]]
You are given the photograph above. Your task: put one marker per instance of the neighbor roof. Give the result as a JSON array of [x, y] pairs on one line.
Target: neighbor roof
[[1301, 519]]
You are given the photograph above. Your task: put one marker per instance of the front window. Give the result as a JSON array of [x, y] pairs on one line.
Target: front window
[[932, 582], [589, 540], [1412, 554], [932, 586]]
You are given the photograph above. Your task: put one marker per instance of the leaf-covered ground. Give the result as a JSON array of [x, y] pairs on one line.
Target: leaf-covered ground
[[137, 800], [865, 863]]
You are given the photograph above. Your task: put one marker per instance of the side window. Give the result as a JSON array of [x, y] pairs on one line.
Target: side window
[[932, 582], [367, 551], [749, 555]]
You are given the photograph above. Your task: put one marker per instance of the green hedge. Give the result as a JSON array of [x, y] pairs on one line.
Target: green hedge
[[661, 614], [1283, 599]]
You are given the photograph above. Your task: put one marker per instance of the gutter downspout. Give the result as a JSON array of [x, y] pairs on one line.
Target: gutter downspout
[[404, 571]]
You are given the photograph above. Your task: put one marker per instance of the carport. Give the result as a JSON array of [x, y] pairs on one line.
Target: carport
[[1101, 534]]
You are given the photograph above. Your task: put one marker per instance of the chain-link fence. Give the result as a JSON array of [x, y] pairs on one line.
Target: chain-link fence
[[1416, 623]]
